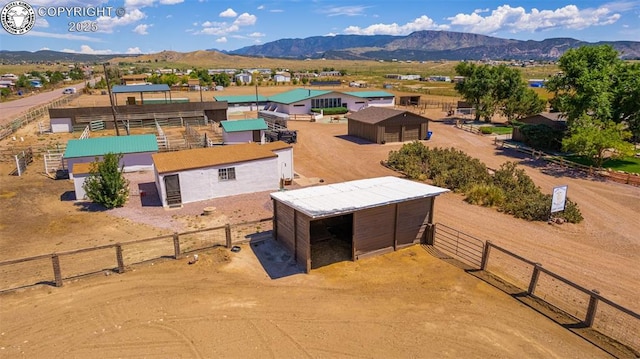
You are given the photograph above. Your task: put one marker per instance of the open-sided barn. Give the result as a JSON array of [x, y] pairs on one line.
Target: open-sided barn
[[381, 125], [353, 219], [204, 173]]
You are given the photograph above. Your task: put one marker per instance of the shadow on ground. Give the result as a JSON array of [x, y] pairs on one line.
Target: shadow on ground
[[149, 195], [356, 140], [274, 258]]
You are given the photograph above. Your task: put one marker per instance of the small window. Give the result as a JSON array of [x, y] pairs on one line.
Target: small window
[[226, 174]]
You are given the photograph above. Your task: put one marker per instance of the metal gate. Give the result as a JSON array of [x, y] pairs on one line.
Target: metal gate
[[459, 245]]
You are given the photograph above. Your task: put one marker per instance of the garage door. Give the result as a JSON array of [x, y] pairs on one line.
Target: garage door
[[392, 133], [411, 133]]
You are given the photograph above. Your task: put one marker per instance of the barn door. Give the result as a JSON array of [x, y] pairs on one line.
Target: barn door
[[256, 136], [392, 133], [172, 185]]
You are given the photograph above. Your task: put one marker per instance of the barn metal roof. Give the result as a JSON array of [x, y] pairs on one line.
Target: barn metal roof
[[244, 125], [348, 197], [140, 88], [370, 94], [375, 114], [297, 95], [241, 99], [99, 146]]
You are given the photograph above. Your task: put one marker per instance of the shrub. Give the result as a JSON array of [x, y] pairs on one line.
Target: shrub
[[487, 195], [106, 185], [486, 130], [331, 110]]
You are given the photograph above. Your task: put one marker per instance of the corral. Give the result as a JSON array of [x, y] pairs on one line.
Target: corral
[[423, 306]]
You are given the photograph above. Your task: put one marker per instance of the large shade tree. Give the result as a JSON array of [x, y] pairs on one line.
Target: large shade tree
[[598, 94]]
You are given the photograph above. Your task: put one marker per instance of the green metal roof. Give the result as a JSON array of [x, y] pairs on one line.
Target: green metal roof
[[244, 125], [369, 94], [297, 95], [241, 99], [99, 146], [140, 88]]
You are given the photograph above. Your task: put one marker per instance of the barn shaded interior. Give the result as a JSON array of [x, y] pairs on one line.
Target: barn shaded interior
[[331, 240]]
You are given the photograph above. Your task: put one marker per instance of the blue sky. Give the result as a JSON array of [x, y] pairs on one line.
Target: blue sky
[[150, 26]]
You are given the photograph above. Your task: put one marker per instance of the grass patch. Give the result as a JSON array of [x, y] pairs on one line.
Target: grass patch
[[502, 130], [626, 164]]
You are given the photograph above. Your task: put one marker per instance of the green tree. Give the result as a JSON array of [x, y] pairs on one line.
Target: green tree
[[521, 103], [586, 82], [595, 139], [106, 184], [56, 77], [221, 79], [626, 107]]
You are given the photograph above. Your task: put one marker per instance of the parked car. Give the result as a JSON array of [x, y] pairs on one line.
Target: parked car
[[69, 90]]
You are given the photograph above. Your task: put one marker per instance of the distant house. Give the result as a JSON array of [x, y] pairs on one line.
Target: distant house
[[136, 151], [204, 173], [402, 77], [282, 77], [329, 73], [243, 131], [384, 125], [373, 98], [553, 120], [244, 78], [133, 79]]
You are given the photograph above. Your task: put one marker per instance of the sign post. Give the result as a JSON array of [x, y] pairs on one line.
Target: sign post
[[559, 199]]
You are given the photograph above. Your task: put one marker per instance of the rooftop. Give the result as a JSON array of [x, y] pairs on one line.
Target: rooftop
[[370, 94], [99, 146], [209, 157], [374, 114], [241, 99], [140, 88], [243, 125], [347, 197], [297, 95]]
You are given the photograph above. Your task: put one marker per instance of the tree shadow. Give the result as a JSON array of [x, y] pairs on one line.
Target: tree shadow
[[87, 206], [68, 196]]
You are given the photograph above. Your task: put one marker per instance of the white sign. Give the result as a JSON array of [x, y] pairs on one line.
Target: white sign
[[559, 198]]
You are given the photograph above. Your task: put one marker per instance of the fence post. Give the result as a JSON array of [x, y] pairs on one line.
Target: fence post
[[57, 273], [591, 310], [534, 278], [227, 233], [485, 255], [176, 246], [119, 258]]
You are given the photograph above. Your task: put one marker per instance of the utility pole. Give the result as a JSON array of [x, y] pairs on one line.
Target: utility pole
[[113, 109], [257, 99]]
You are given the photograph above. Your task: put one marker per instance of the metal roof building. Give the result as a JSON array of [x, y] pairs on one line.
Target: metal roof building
[[119, 89], [244, 125], [382, 125], [351, 220]]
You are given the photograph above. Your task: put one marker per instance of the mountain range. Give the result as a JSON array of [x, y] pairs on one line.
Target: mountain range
[[426, 45], [419, 45]]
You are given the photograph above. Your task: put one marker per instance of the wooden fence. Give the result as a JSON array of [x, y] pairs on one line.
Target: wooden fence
[[585, 308], [34, 114], [54, 268], [619, 177]]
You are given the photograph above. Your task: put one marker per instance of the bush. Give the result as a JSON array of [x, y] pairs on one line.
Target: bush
[[331, 110], [486, 130], [487, 195], [106, 185]]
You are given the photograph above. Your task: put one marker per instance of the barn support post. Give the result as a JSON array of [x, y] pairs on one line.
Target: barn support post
[[57, 273], [176, 246], [275, 220], [534, 279], [227, 234], [485, 255], [591, 309], [119, 258]]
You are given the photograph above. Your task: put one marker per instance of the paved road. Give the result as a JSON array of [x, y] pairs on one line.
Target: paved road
[[12, 109]]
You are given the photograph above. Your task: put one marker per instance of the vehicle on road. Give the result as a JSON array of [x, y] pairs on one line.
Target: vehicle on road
[[69, 90]]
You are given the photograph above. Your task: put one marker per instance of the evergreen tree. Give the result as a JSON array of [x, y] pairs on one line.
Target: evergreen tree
[[106, 184]]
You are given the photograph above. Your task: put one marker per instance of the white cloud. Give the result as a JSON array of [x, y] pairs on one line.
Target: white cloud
[[146, 3], [345, 11], [245, 19], [66, 36], [421, 23], [44, 49], [142, 29], [276, 10], [86, 49], [195, 24], [221, 40], [517, 19], [134, 50], [169, 16], [261, 7], [67, 2], [41, 22], [228, 13], [106, 23], [256, 34], [224, 28], [478, 11]]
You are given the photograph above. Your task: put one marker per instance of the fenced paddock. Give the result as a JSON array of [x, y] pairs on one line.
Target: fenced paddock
[[55, 268], [582, 308]]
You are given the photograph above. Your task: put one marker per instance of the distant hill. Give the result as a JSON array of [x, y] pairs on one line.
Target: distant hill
[[426, 45], [51, 56]]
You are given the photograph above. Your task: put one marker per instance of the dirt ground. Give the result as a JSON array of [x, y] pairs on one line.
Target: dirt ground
[[403, 304]]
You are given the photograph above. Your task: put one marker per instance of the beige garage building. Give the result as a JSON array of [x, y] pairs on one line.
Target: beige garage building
[[350, 220], [382, 125]]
